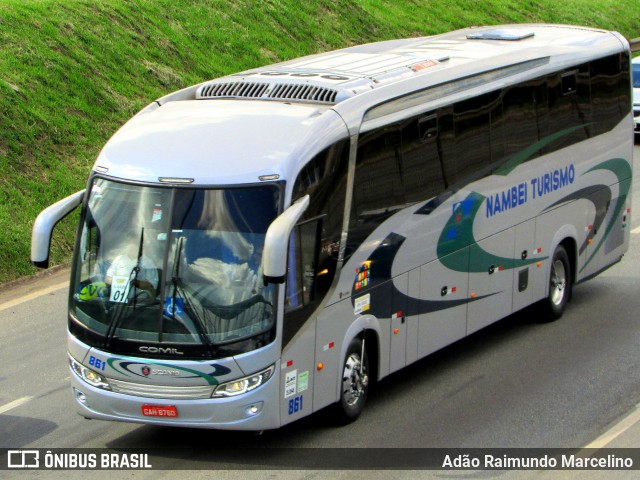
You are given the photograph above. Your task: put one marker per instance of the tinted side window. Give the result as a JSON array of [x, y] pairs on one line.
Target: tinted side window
[[396, 166], [520, 118], [473, 136], [315, 243], [610, 91], [378, 190], [422, 159], [324, 179], [569, 105]]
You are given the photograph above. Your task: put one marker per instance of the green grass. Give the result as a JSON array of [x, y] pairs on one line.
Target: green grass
[[72, 72]]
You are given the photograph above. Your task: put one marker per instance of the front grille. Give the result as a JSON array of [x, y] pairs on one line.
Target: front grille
[[161, 391]]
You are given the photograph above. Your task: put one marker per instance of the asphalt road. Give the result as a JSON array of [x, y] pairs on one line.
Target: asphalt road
[[518, 383]]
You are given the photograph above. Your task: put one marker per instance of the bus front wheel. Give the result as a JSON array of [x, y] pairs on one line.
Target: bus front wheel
[[354, 384]]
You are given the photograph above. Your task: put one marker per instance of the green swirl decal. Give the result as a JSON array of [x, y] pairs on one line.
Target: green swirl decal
[[458, 234], [210, 378]]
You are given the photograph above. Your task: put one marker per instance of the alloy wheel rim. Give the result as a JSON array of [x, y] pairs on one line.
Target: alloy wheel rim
[[558, 282], [354, 381]]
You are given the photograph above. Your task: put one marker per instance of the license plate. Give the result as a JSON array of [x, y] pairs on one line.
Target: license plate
[[159, 411]]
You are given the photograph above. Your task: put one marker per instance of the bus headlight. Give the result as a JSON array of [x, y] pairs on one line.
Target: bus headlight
[[89, 376], [243, 385]]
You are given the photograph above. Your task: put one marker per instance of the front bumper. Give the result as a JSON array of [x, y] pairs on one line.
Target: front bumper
[[255, 410]]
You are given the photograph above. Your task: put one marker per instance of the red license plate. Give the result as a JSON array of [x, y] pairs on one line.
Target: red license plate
[[159, 411]]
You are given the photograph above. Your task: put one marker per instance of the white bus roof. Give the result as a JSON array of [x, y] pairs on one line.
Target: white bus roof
[[262, 121], [216, 143]]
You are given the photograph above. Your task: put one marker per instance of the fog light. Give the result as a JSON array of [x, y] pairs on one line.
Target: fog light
[[253, 409], [80, 397]]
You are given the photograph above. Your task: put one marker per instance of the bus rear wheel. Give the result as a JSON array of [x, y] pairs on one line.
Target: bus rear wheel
[[354, 385], [559, 285]]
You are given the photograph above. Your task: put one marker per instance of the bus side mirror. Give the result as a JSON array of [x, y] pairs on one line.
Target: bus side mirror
[[277, 240], [44, 225]]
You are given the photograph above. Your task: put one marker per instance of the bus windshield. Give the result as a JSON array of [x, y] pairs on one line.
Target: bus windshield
[[173, 270]]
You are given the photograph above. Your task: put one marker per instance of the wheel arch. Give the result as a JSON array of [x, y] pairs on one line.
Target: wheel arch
[[372, 344], [571, 247], [367, 328], [353, 384], [567, 238]]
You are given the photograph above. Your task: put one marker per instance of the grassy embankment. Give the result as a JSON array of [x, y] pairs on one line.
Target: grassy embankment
[[72, 72]]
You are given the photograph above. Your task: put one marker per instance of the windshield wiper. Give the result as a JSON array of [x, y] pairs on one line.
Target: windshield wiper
[[136, 269], [192, 313], [119, 310], [175, 279]]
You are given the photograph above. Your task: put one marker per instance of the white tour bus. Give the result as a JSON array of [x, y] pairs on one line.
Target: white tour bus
[[261, 246]]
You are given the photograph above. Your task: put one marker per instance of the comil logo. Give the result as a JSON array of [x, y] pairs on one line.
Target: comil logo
[[171, 351], [23, 459]]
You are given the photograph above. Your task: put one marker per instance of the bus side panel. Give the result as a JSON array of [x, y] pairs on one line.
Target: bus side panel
[[297, 376], [330, 327], [413, 320], [446, 321], [618, 241], [590, 261], [528, 278], [490, 280], [398, 324]]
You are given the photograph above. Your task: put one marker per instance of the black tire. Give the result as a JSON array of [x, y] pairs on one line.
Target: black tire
[[354, 384], [560, 282]]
